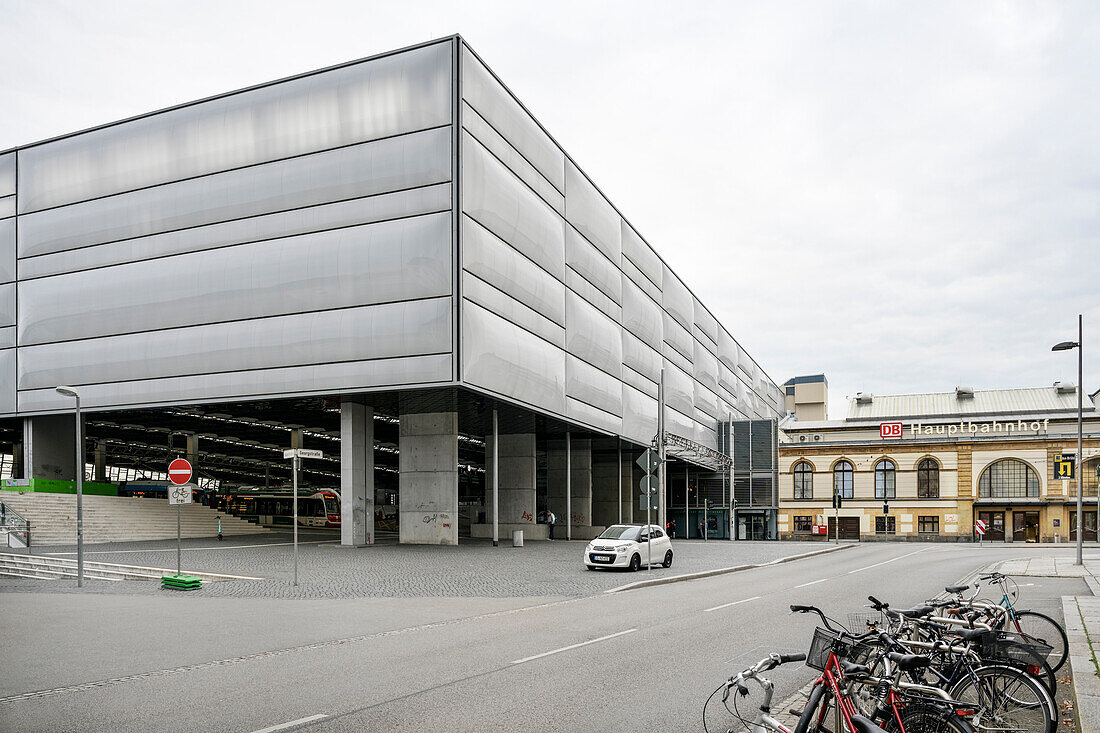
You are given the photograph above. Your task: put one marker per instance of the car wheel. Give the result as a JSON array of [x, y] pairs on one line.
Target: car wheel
[[668, 559], [635, 563]]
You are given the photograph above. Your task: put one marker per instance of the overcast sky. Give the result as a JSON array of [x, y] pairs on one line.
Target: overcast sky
[[905, 196]]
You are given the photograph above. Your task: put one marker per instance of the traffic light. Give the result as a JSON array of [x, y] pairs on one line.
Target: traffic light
[[885, 507], [836, 500]]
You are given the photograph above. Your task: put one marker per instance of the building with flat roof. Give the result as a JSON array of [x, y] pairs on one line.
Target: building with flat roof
[[390, 259], [926, 466]]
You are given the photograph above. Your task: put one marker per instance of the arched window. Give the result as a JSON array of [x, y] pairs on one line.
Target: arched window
[[928, 479], [1009, 478], [884, 479], [803, 480], [843, 480]]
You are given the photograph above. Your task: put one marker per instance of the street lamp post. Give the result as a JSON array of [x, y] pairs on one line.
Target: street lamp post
[[70, 392], [1066, 346]]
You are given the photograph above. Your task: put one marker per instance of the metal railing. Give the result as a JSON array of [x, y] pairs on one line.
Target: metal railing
[[14, 528]]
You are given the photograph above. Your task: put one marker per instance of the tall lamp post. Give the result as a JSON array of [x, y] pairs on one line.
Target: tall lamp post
[[71, 392], [1066, 346]]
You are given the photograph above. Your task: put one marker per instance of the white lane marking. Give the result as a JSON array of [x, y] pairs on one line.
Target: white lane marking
[[899, 557], [291, 724], [812, 582], [727, 605], [574, 646]]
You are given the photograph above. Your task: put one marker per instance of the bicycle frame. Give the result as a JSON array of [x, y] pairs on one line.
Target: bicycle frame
[[833, 677]]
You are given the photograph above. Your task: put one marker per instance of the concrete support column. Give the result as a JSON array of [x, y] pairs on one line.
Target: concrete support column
[[516, 492], [356, 474], [100, 461], [428, 482], [630, 484], [48, 447], [192, 453], [579, 511], [17, 460], [605, 484]]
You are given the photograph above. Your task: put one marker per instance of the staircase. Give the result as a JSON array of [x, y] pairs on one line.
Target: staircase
[[118, 519], [53, 568]]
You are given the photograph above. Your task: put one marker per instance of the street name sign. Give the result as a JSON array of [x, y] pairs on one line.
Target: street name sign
[[179, 471], [303, 453]]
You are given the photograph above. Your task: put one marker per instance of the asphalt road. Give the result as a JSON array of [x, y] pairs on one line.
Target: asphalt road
[[638, 660]]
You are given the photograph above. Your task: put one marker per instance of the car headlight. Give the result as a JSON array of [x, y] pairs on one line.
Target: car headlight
[[624, 548]]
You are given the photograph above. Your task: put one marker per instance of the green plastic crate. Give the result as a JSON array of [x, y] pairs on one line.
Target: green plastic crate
[[181, 582]]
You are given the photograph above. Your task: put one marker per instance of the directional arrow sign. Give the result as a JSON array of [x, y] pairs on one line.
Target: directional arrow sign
[[649, 461], [303, 453], [648, 484]]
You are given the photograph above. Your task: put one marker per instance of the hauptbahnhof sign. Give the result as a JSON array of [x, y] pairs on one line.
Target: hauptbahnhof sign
[[965, 427]]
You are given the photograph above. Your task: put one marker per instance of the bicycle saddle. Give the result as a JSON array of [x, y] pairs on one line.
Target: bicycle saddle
[[969, 634], [864, 725], [908, 662], [918, 612], [851, 669], [956, 588]]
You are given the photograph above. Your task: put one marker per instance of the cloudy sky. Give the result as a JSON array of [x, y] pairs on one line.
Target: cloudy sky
[[905, 196]]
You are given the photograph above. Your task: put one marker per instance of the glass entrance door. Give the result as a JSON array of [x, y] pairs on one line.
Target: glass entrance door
[[994, 525], [1090, 525], [1025, 526]]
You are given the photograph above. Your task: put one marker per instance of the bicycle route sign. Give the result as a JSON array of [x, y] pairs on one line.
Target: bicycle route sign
[[979, 527], [179, 471], [180, 494]]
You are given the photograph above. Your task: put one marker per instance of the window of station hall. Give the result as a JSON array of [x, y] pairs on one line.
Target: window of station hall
[[803, 524], [803, 481], [884, 479], [928, 479], [843, 479], [928, 525], [1009, 478], [885, 525]]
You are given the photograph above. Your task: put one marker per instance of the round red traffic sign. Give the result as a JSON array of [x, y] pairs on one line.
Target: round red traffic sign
[[179, 471]]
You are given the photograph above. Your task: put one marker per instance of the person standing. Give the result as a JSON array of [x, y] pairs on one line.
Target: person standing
[[551, 520]]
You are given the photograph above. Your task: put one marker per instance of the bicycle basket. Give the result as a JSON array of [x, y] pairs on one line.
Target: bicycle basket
[[825, 642], [1016, 648], [861, 623]]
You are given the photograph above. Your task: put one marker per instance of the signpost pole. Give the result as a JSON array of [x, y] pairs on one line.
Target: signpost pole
[[294, 470], [179, 540]]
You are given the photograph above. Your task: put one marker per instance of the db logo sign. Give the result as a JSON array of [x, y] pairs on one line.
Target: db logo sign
[[889, 430]]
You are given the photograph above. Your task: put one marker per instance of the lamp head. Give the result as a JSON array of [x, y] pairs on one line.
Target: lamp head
[[67, 391], [1065, 346]]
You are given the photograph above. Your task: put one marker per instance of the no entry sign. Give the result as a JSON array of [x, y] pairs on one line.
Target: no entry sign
[[179, 471]]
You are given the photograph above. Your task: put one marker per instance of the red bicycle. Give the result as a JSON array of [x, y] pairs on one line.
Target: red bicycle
[[901, 706]]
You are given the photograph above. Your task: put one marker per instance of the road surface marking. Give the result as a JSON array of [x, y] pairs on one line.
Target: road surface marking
[[574, 646], [727, 605], [899, 557], [291, 724], [812, 582]]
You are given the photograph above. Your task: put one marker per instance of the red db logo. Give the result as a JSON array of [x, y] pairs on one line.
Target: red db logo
[[889, 430]]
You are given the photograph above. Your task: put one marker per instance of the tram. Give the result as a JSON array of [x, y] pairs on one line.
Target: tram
[[320, 508]]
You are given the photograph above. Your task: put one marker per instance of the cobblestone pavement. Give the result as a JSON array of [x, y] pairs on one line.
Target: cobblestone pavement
[[327, 570]]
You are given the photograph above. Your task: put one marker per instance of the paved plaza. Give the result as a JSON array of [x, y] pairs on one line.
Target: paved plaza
[[327, 570]]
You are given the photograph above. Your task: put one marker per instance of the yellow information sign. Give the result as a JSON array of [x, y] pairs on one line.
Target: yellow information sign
[[1065, 465]]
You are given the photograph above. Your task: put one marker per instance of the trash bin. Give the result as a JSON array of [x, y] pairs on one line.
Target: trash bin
[[517, 538]]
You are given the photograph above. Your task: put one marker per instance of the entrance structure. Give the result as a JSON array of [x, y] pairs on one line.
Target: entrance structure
[[395, 235]]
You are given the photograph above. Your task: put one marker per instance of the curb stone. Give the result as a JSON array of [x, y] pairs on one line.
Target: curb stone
[[723, 571]]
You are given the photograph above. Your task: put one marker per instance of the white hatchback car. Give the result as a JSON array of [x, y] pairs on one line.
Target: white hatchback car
[[624, 546]]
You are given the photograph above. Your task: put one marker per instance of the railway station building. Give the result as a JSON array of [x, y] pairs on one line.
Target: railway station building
[[928, 466], [389, 260]]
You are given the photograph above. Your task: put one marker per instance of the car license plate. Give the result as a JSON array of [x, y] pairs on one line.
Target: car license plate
[[602, 558]]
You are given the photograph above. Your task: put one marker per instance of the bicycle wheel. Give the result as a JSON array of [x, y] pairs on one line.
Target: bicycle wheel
[[928, 718], [816, 713], [1047, 630], [1008, 700]]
